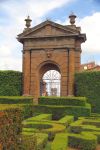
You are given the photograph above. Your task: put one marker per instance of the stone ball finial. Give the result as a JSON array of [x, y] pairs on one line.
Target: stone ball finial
[[72, 17], [28, 22]]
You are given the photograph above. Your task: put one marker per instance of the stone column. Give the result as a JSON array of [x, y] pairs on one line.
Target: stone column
[[71, 72], [64, 85], [77, 60], [26, 72]]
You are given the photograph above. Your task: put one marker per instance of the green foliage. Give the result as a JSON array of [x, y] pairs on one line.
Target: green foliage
[[88, 84], [66, 120], [48, 146], [74, 101], [27, 110], [16, 100], [60, 142], [34, 141], [10, 128], [98, 136], [83, 141], [47, 127], [10, 83], [84, 124], [40, 117], [60, 111], [42, 125]]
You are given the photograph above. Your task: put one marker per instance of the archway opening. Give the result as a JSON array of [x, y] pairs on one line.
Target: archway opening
[[50, 80]]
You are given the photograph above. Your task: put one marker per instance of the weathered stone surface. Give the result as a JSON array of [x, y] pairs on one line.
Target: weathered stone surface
[[50, 46]]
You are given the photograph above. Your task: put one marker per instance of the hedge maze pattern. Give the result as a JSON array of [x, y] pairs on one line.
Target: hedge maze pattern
[[76, 128], [53, 124]]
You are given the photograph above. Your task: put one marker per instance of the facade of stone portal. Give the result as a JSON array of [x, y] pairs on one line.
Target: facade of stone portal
[[50, 46]]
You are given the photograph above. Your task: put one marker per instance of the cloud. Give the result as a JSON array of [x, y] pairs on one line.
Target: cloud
[[12, 15], [12, 23], [10, 63], [91, 26]]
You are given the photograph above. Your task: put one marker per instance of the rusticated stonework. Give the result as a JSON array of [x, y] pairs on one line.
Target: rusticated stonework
[[50, 46]]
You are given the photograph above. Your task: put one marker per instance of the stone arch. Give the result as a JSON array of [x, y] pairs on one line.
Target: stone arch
[[45, 67], [48, 65], [50, 46]]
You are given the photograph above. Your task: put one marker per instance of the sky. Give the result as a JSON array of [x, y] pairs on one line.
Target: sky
[[14, 12]]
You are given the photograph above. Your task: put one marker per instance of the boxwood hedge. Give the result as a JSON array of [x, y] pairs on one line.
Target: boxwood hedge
[[74, 101], [10, 83], [83, 141], [66, 120], [88, 84], [34, 141], [60, 111], [16, 100], [10, 128], [83, 124], [60, 142]]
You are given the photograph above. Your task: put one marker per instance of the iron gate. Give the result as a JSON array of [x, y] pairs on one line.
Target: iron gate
[[50, 83]]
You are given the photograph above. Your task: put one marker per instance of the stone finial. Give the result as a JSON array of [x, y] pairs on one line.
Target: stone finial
[[72, 17], [28, 22]]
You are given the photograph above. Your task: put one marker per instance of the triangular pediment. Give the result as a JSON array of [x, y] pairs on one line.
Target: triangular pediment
[[48, 28]]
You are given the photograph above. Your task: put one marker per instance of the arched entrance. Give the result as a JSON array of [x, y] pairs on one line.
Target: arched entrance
[[50, 84], [50, 46], [50, 80]]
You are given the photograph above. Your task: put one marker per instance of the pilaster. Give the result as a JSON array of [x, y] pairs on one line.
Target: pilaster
[[71, 72], [26, 72]]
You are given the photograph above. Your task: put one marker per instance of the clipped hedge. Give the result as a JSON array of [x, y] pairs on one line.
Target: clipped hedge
[[16, 100], [40, 123], [10, 128], [66, 120], [34, 141], [42, 117], [85, 125], [60, 142], [74, 101], [10, 83], [83, 141], [60, 111], [88, 84], [45, 127], [27, 109]]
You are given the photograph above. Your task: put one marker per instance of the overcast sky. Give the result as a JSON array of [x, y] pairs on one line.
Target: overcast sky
[[14, 12]]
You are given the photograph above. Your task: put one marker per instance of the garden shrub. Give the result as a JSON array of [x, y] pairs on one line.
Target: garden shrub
[[42, 117], [44, 126], [74, 101], [60, 111], [10, 128], [94, 116], [97, 134], [34, 141], [84, 124], [10, 83], [60, 142], [16, 100], [83, 141], [92, 122], [88, 84], [28, 142], [66, 120], [27, 109]]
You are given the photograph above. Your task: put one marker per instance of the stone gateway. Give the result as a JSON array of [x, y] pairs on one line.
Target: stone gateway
[[50, 46]]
